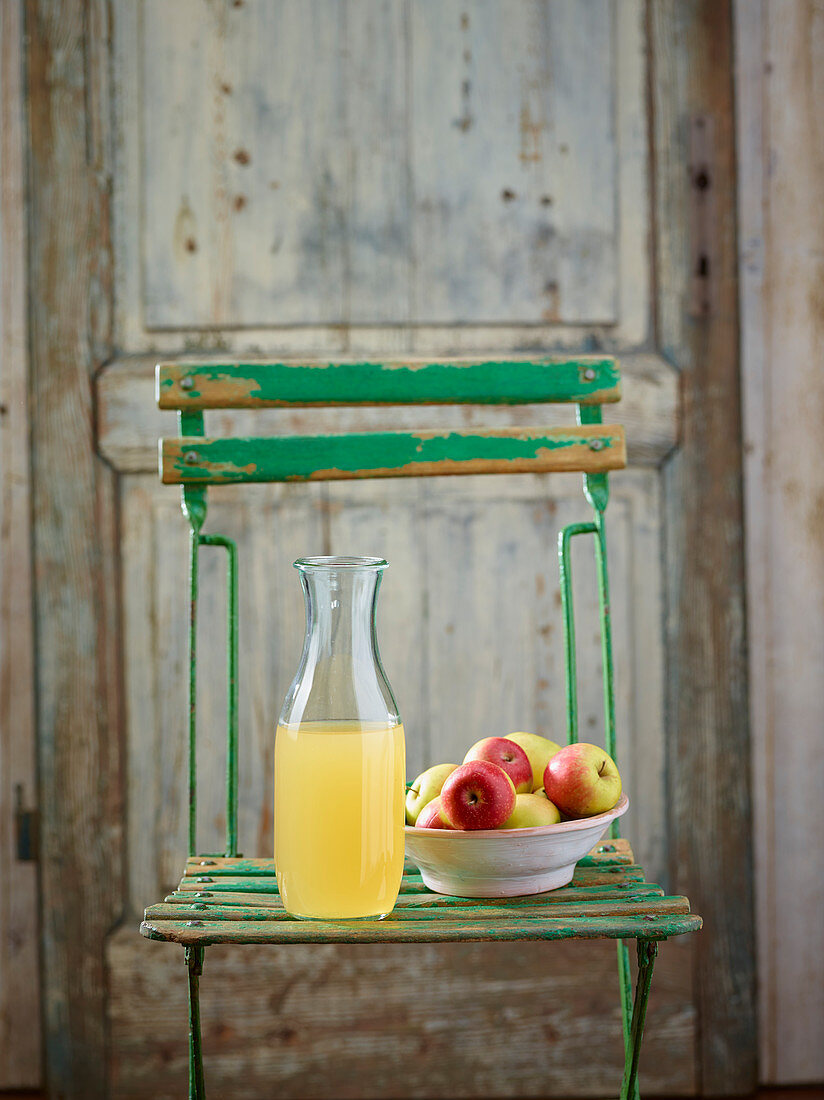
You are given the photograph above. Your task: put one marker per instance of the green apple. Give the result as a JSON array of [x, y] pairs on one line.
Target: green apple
[[539, 751], [530, 811], [426, 787]]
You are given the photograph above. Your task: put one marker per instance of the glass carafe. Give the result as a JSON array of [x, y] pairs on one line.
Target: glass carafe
[[339, 755]]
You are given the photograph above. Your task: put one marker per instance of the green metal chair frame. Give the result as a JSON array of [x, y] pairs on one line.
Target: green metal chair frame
[[223, 898]]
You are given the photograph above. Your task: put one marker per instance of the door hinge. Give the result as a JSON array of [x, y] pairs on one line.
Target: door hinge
[[27, 828]]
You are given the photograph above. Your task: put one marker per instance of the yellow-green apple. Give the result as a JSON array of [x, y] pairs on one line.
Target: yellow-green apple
[[426, 787], [478, 795], [432, 816], [507, 755], [532, 810], [582, 780], [539, 750]]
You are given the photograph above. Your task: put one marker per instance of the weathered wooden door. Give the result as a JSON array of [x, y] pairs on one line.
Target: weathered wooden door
[[334, 178]]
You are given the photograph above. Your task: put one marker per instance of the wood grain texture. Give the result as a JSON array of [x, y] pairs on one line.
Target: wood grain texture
[[203, 933], [346, 217], [75, 537], [359, 182], [708, 739], [425, 453], [587, 380], [503, 97], [584, 876], [456, 1019], [645, 908], [20, 1046], [613, 853], [129, 422], [779, 55]]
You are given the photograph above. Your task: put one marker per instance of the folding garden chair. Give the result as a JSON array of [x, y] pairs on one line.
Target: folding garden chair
[[223, 898]]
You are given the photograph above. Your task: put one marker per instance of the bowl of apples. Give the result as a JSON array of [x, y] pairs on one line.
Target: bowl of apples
[[514, 818]]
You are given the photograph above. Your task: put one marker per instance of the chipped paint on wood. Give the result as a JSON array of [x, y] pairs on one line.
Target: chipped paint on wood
[[609, 907], [616, 852], [391, 454], [415, 899], [451, 931], [587, 380]]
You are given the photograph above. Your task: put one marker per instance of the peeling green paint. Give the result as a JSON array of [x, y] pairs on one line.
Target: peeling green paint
[[434, 931], [381, 454], [588, 380]]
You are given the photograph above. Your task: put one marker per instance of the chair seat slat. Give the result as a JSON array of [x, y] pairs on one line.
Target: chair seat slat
[[614, 907], [200, 933], [636, 891], [615, 851]]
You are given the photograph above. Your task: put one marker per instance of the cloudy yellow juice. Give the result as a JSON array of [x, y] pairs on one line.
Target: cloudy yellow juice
[[339, 817]]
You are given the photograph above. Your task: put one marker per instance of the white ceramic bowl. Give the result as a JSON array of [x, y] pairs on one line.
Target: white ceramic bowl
[[505, 863]]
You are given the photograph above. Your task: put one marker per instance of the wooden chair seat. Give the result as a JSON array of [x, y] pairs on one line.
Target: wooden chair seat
[[222, 900]]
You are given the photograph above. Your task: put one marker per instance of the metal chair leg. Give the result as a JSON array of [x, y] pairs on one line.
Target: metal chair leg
[[625, 993], [193, 957], [647, 950]]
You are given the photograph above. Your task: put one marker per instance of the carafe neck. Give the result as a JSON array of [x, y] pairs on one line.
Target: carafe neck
[[340, 677]]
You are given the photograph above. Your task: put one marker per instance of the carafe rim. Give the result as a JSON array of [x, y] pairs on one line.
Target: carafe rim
[[331, 562]]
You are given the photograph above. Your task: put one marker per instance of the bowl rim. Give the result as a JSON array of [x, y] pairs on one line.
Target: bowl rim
[[620, 808]]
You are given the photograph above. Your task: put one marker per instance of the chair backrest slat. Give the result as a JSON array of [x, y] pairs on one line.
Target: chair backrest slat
[[210, 461], [587, 381]]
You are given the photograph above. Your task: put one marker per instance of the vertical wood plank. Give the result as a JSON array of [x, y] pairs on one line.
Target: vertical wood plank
[[513, 171], [19, 948], [780, 53], [378, 241], [75, 538], [707, 726]]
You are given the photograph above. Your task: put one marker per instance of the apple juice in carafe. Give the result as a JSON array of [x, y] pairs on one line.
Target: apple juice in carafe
[[339, 755]]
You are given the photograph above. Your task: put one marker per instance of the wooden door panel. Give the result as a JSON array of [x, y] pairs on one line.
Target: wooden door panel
[[20, 1039], [370, 180], [361, 206], [463, 1020], [164, 236], [316, 163]]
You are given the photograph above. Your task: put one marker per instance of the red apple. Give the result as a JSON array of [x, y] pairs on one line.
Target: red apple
[[582, 780], [507, 755], [478, 795], [539, 750], [432, 816]]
